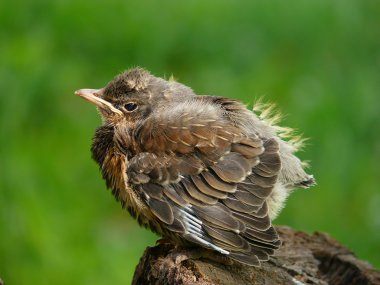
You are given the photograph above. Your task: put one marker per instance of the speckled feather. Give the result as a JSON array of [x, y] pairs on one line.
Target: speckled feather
[[192, 168]]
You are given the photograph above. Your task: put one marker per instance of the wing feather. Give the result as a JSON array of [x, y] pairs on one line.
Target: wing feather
[[208, 183], [177, 226], [229, 171], [205, 188], [174, 196], [269, 235], [235, 204], [246, 258], [248, 198], [194, 192], [257, 191], [228, 237], [180, 188], [161, 209], [218, 184], [262, 224], [218, 216]]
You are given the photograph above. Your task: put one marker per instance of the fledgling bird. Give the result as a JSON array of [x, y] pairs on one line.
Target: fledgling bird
[[197, 170]]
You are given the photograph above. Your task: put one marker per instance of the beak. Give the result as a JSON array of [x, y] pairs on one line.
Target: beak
[[93, 96]]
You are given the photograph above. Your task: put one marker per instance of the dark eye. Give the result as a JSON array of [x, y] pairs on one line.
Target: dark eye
[[130, 106]]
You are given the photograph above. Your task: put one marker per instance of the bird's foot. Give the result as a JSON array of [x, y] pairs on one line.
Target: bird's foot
[[179, 255]]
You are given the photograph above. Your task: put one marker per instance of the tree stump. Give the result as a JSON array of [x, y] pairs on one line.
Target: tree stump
[[302, 259]]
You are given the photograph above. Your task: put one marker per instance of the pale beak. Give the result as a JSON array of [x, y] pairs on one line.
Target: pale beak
[[93, 96]]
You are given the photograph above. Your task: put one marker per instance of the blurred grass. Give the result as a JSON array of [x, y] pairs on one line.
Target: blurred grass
[[318, 60]]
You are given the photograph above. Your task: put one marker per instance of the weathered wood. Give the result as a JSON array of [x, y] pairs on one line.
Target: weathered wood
[[302, 259]]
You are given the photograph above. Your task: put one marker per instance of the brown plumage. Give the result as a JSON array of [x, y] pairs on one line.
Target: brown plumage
[[195, 169]]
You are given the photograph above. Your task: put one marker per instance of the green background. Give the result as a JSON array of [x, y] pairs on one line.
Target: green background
[[318, 60]]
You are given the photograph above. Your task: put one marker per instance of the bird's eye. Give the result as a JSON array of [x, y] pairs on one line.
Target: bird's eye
[[130, 106]]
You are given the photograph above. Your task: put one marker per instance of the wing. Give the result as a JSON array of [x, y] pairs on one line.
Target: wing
[[207, 182]]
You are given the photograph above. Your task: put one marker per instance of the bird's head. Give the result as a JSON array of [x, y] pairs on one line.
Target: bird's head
[[133, 95]]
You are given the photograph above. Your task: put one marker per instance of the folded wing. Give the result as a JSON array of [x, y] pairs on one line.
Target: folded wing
[[207, 183]]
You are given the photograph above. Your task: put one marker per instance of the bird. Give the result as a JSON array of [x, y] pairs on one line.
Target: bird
[[199, 170]]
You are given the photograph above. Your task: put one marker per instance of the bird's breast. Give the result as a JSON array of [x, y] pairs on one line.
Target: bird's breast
[[114, 170], [113, 163]]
